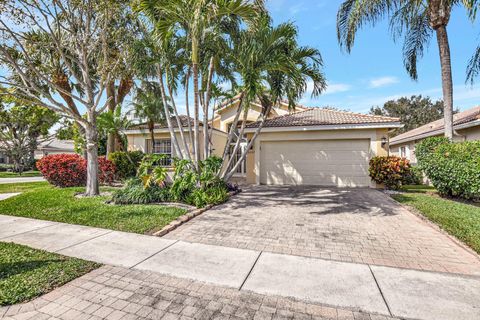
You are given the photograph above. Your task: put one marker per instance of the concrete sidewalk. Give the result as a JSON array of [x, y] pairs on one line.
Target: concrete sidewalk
[[380, 290], [21, 180]]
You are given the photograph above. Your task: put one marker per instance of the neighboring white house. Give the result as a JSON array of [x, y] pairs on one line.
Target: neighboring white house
[[309, 146], [54, 146], [466, 125]]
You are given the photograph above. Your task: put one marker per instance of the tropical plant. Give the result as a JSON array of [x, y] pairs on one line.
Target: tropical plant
[[194, 25], [113, 123], [390, 171], [151, 171], [135, 192], [272, 67], [416, 21]]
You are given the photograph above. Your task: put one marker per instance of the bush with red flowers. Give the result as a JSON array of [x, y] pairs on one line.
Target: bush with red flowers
[[391, 171], [70, 170]]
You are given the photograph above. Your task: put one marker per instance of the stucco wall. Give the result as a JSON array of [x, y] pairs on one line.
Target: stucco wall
[[137, 141]]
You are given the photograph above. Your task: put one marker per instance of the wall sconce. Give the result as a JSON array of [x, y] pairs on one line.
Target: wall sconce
[[384, 142]]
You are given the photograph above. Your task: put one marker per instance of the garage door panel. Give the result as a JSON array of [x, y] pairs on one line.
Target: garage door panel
[[316, 162]]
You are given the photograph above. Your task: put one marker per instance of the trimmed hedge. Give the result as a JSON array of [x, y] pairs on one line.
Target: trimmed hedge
[[126, 163], [452, 167], [391, 171]]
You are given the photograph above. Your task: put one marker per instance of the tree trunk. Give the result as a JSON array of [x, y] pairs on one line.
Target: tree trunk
[[187, 107], [230, 174], [111, 108], [173, 136], [196, 131], [206, 137], [151, 128], [447, 83], [92, 188]]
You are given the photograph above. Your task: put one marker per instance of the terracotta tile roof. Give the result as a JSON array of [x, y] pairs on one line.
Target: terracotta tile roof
[[438, 125], [183, 120], [322, 116]]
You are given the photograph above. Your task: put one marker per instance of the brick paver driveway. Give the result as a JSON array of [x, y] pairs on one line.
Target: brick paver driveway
[[357, 225]]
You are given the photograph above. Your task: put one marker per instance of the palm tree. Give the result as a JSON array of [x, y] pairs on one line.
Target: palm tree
[[149, 106], [195, 19], [417, 21], [272, 67], [113, 123]]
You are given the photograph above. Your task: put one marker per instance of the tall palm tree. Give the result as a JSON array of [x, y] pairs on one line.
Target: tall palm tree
[[416, 21], [148, 106], [195, 18], [272, 67]]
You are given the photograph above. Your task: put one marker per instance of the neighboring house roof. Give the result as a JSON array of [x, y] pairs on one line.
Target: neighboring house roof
[[464, 119], [321, 116], [57, 145]]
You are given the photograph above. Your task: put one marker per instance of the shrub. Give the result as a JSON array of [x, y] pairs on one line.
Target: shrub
[[106, 171], [391, 171], [126, 163], [415, 177], [70, 170], [64, 170], [134, 192], [453, 168]]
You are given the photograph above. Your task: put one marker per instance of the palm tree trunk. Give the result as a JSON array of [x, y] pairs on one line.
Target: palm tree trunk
[[187, 107], [151, 128], [173, 136], [179, 123], [196, 131], [229, 175], [233, 125], [206, 137], [447, 83]]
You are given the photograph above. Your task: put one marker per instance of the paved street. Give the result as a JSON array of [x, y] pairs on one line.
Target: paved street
[[21, 180]]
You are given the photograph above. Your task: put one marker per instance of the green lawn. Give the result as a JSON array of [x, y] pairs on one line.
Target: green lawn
[[461, 220], [23, 175], [26, 273], [42, 201]]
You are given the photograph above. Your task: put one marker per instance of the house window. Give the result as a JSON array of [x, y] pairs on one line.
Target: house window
[[163, 146], [405, 152]]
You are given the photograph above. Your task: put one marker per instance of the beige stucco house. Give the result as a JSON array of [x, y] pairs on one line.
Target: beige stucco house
[[466, 125], [307, 146]]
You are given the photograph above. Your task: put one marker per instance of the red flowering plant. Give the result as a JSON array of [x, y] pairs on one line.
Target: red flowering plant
[[391, 171], [70, 170]]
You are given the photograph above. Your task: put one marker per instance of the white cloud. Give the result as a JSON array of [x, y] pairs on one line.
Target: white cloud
[[336, 88], [382, 82]]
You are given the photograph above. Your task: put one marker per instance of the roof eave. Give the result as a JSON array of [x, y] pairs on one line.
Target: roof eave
[[435, 132], [388, 125]]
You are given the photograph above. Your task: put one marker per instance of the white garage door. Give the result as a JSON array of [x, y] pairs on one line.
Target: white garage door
[[342, 163]]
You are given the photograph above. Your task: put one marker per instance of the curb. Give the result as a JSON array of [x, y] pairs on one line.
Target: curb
[[187, 217]]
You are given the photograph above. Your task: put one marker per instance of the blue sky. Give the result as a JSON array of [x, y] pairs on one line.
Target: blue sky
[[374, 73]]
